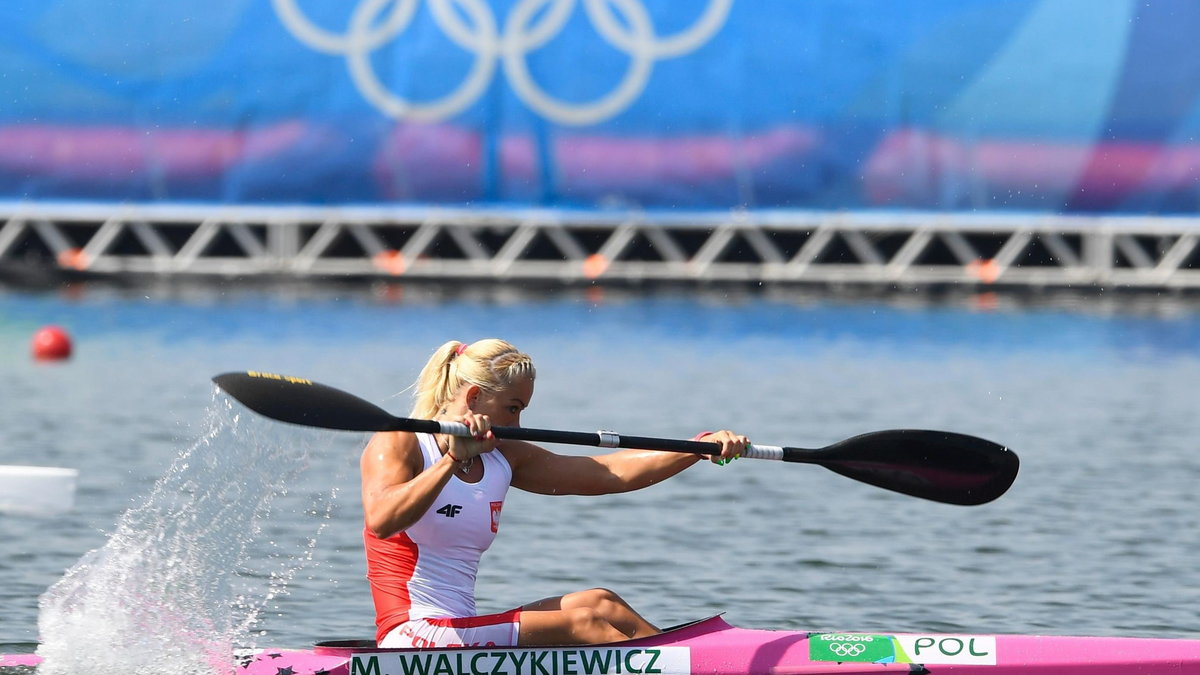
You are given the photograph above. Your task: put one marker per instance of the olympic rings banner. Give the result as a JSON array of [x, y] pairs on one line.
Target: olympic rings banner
[[1050, 105]]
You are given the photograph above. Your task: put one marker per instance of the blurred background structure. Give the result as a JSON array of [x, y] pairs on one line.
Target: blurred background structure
[[1029, 143]]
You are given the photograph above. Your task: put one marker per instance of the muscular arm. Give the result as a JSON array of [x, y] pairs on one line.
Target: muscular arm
[[538, 470], [395, 491]]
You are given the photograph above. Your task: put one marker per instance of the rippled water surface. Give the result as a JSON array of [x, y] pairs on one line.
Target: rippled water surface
[[1100, 535]]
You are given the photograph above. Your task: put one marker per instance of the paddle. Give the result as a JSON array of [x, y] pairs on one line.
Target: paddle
[[938, 465]]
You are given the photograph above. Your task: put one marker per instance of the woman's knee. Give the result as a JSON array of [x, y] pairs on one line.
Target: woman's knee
[[596, 598]]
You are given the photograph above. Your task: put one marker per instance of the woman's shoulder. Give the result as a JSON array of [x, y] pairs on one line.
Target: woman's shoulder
[[393, 439], [394, 445]]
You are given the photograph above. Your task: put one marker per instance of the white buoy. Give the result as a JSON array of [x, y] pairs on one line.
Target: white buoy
[[37, 489]]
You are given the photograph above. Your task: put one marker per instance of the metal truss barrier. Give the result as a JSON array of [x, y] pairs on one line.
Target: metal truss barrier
[[868, 249]]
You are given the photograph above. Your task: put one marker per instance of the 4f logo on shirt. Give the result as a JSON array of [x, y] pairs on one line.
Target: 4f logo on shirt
[[450, 510]]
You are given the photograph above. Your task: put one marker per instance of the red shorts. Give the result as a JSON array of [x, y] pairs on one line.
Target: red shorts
[[489, 630]]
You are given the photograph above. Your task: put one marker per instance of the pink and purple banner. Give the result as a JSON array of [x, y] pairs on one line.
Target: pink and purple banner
[[1047, 105]]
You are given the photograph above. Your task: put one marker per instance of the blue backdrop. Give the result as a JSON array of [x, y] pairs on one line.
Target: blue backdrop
[[1055, 105]]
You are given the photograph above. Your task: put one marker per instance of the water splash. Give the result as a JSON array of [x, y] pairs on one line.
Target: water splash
[[174, 588]]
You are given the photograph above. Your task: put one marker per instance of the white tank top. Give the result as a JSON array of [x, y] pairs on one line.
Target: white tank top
[[433, 564]]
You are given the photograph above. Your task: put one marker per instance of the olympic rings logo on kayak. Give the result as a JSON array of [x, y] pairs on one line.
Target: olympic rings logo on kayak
[[526, 29], [847, 649]]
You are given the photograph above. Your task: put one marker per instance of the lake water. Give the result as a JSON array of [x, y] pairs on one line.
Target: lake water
[[1100, 534]]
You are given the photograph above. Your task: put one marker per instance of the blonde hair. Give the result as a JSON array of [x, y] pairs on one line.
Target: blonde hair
[[490, 364]]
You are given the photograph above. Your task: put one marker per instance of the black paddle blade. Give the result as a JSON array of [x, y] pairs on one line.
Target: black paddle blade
[[938, 465], [299, 401]]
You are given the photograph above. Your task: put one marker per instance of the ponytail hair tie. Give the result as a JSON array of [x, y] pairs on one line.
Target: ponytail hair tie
[[462, 347]]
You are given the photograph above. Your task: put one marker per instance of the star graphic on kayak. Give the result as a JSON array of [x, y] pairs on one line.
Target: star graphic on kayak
[[286, 671]]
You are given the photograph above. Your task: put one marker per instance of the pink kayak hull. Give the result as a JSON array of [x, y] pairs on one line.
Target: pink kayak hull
[[713, 647]]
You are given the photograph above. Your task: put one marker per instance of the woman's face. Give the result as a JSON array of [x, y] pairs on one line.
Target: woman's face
[[504, 407]]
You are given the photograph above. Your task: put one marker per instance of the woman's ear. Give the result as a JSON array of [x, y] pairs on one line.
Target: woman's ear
[[472, 396]]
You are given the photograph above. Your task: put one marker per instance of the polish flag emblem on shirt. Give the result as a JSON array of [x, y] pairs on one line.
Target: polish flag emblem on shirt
[[496, 506]]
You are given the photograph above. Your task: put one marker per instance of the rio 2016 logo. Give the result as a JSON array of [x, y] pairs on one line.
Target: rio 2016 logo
[[526, 29]]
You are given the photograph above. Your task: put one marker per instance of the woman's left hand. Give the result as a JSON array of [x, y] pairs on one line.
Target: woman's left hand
[[732, 445]]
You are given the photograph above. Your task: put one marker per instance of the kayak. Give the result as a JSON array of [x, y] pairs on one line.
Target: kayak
[[713, 647]]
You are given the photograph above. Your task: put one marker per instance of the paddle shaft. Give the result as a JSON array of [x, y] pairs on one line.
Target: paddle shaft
[[599, 439]]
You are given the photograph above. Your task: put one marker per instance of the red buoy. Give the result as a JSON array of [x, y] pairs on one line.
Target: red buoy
[[51, 343]]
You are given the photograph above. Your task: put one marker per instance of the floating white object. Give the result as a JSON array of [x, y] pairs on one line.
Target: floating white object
[[37, 489]]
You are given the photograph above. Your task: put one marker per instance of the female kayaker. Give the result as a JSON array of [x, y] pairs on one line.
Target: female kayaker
[[433, 502]]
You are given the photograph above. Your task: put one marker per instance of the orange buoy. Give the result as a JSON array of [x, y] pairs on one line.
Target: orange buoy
[[985, 270], [594, 266], [51, 343], [390, 261]]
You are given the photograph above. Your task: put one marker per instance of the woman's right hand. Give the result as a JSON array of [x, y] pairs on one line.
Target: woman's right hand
[[482, 439], [732, 445]]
